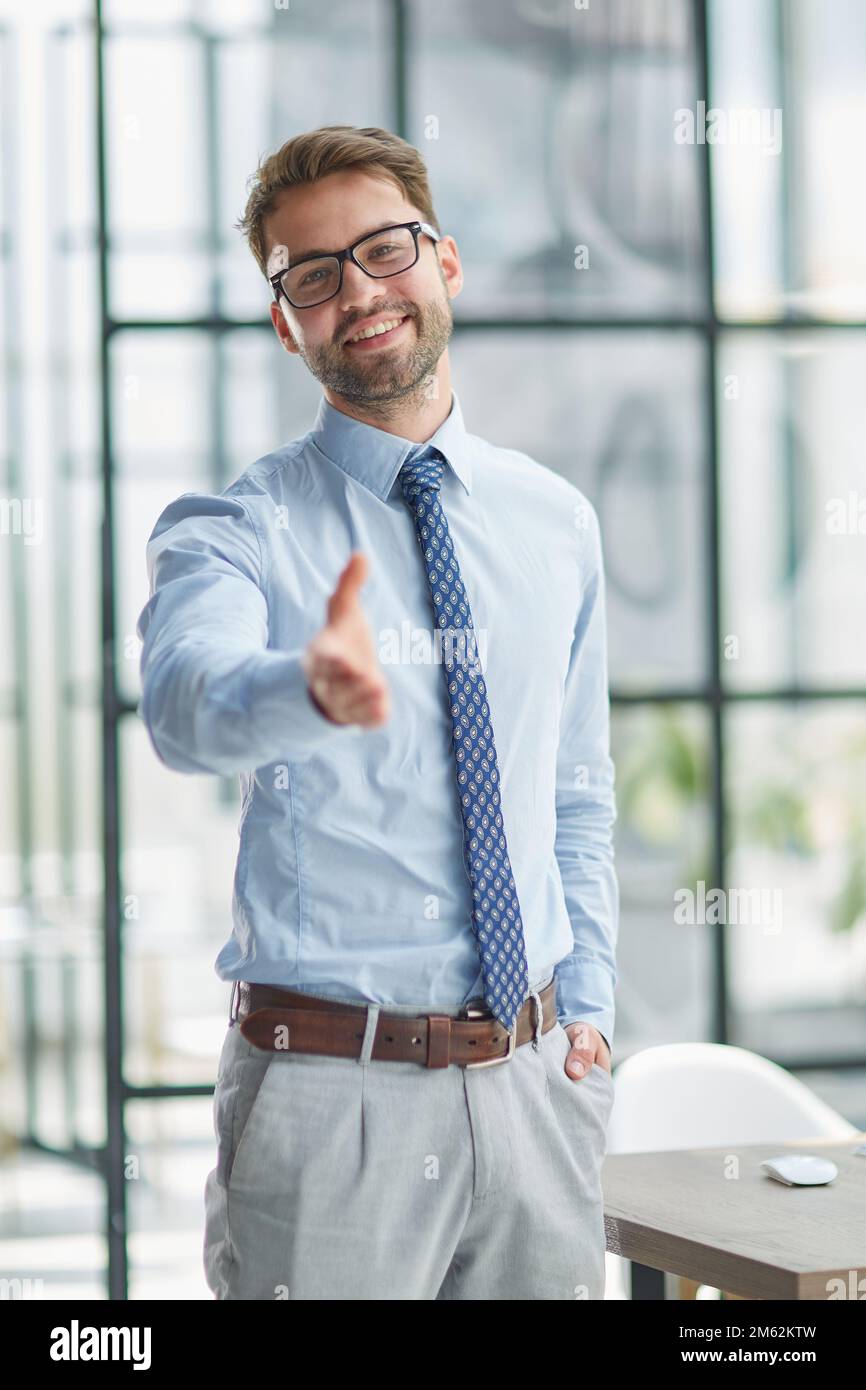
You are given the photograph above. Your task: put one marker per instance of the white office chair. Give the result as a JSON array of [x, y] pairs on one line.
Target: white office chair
[[707, 1095]]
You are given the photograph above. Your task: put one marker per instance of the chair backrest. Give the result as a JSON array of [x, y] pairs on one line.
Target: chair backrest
[[700, 1095]]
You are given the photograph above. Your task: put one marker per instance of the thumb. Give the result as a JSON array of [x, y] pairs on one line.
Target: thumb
[[345, 595], [578, 1061], [581, 1051]]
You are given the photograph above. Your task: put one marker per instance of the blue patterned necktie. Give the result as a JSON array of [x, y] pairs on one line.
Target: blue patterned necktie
[[496, 916]]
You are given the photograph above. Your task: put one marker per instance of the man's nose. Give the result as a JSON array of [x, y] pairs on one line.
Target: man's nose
[[360, 290]]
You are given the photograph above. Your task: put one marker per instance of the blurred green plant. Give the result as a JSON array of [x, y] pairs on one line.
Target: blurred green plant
[[850, 905], [662, 782], [663, 794], [776, 816]]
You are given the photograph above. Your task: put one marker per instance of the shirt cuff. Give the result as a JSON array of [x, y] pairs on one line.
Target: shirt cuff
[[283, 709], [584, 994], [582, 1019]]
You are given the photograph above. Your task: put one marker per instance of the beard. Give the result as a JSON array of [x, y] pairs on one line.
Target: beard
[[379, 380]]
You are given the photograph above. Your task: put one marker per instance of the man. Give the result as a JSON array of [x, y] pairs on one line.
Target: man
[[394, 632]]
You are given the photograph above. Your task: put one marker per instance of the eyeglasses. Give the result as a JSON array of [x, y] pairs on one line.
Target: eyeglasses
[[379, 254]]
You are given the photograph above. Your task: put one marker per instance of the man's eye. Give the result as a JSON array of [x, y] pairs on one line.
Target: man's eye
[[310, 277], [386, 250]]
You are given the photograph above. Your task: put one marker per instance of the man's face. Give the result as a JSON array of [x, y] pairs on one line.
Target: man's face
[[334, 213]]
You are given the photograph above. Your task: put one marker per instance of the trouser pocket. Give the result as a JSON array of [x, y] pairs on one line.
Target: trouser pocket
[[242, 1071]]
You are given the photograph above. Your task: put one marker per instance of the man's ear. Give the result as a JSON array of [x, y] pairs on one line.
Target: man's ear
[[281, 327], [450, 267]]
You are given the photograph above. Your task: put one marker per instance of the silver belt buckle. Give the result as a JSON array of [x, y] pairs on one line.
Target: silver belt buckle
[[474, 1012]]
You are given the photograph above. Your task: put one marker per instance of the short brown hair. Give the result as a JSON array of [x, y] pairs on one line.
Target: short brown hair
[[308, 157]]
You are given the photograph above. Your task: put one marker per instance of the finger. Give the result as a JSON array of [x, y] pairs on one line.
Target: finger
[[581, 1037], [319, 697], [347, 693], [367, 691], [334, 668], [373, 712], [345, 595], [327, 655], [578, 1062], [324, 656], [363, 706], [350, 684]]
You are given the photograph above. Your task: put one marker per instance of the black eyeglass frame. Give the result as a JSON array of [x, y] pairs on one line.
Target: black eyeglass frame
[[349, 255]]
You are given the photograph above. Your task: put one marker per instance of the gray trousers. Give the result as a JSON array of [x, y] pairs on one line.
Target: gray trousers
[[344, 1178]]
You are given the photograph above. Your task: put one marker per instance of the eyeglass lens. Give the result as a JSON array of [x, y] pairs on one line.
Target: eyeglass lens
[[383, 253]]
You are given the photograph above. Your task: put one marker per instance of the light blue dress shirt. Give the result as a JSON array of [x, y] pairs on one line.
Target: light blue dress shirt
[[350, 879]]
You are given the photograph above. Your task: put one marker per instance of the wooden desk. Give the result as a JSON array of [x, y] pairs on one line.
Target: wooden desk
[[749, 1235]]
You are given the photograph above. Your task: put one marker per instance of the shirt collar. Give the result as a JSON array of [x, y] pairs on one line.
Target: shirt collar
[[374, 457]]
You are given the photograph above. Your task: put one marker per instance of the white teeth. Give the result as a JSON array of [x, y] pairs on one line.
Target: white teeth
[[376, 329]]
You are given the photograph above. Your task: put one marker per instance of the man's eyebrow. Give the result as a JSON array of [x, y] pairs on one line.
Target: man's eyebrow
[[308, 255]]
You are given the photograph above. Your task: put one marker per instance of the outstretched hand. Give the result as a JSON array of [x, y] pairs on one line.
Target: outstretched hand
[[343, 673]]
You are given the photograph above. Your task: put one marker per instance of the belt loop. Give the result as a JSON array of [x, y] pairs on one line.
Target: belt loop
[[539, 1018], [236, 990], [369, 1033]]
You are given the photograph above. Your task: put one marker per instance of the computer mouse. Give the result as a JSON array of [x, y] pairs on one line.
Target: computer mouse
[[802, 1170]]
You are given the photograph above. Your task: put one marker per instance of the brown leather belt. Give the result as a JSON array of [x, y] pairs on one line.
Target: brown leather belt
[[277, 1019]]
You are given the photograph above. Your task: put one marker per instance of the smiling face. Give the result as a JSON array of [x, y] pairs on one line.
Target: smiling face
[[333, 213]]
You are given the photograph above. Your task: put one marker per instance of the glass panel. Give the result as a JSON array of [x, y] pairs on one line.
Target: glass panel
[[267, 398], [162, 397], [9, 562], [8, 248], [795, 777], [10, 829], [315, 65], [619, 415], [77, 588], [249, 86], [71, 386], [14, 552], [53, 959], [180, 848], [189, 111], [793, 509], [663, 843], [159, 222], [212, 17], [548, 134], [80, 805], [171, 1147], [69, 150], [789, 203], [52, 1216], [52, 948], [153, 11], [75, 390]]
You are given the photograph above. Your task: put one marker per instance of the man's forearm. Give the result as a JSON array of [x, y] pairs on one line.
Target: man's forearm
[[214, 712], [215, 697]]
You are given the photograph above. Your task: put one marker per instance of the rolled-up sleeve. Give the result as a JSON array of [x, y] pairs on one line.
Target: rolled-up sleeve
[[586, 810], [215, 697]]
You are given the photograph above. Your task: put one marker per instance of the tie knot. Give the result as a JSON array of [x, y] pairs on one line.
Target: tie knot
[[422, 472]]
